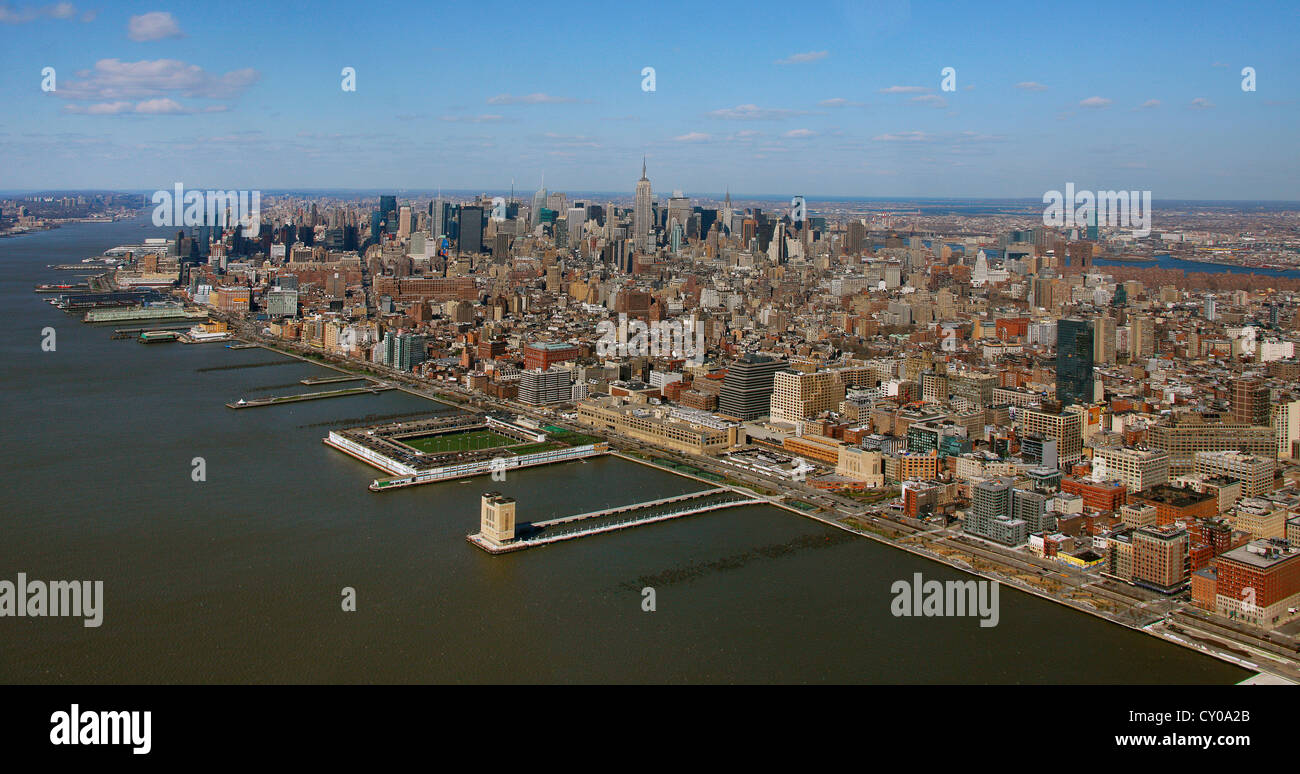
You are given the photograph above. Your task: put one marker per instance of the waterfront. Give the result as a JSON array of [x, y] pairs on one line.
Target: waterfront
[[238, 578], [1166, 261]]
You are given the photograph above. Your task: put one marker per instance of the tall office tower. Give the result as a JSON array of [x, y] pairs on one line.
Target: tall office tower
[[577, 217], [1103, 340], [441, 210], [1211, 308], [642, 215], [1250, 401], [388, 213], [404, 221], [557, 201], [1142, 336], [1065, 427], [679, 211], [376, 225], [726, 213], [856, 237], [1074, 350], [747, 389], [471, 229], [539, 201]]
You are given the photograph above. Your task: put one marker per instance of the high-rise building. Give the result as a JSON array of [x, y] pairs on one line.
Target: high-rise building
[[747, 389], [800, 396], [1160, 558], [990, 514], [539, 388], [1074, 352], [404, 221], [1249, 401], [1066, 427], [642, 214], [1103, 340], [539, 203], [1142, 336], [1136, 468], [471, 229]]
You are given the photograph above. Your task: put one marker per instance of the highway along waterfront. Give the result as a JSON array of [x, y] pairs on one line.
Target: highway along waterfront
[[238, 577]]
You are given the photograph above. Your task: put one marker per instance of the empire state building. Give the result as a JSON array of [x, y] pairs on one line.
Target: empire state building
[[642, 220]]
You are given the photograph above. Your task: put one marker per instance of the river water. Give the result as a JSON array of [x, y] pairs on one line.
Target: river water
[[239, 578]]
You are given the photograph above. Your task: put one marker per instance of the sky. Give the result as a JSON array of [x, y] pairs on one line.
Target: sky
[[836, 98]]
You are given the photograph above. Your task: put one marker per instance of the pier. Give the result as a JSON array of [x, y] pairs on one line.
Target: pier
[[333, 379], [580, 525], [276, 400], [130, 333]]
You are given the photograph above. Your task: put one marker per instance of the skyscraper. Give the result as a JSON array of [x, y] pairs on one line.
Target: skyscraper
[[539, 201], [747, 389], [642, 217], [1249, 401], [1074, 352], [471, 229]]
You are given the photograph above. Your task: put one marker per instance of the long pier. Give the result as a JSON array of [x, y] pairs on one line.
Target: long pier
[[333, 379], [277, 400], [127, 333], [612, 519]]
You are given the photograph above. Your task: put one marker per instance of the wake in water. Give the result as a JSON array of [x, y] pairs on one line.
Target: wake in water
[[736, 561]]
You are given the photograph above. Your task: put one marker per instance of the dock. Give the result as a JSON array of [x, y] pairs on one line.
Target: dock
[[611, 519], [276, 400], [333, 379], [130, 333]]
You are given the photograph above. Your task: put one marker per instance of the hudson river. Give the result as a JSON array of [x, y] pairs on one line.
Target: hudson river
[[238, 578]]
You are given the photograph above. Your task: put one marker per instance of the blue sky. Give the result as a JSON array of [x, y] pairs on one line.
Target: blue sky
[[819, 98]]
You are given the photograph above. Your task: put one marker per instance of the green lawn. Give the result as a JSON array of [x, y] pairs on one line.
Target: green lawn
[[474, 439]]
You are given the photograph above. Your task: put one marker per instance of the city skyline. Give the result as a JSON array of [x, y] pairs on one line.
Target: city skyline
[[143, 98]]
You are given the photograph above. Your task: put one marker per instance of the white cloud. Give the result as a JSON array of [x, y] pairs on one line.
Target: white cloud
[[753, 113], [693, 137], [161, 106], [904, 137], [1094, 102], [1201, 103], [839, 102], [904, 90], [1151, 103], [930, 99], [1031, 86], [796, 133], [807, 56], [11, 14], [528, 99], [155, 25], [480, 119], [113, 79]]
